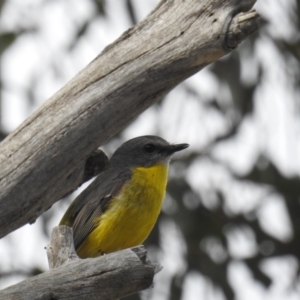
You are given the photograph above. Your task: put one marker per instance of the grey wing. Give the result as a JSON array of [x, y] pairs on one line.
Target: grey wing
[[97, 201]]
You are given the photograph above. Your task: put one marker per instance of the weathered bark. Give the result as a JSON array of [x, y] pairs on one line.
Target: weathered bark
[[174, 42], [112, 276], [61, 249]]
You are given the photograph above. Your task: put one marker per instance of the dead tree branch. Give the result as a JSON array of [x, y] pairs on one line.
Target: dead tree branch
[[175, 41], [112, 276]]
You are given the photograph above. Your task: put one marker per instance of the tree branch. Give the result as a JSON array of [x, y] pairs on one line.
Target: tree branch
[[112, 276], [175, 41]]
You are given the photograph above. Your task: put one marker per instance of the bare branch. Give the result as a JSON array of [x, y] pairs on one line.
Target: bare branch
[[61, 249], [175, 41], [112, 276]]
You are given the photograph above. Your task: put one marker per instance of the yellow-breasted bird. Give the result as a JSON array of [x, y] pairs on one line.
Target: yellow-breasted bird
[[120, 207]]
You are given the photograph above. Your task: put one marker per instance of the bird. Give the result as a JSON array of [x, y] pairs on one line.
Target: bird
[[119, 209]]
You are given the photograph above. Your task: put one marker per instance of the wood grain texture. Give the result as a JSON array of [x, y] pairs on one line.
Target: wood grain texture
[[112, 276], [174, 42], [61, 248]]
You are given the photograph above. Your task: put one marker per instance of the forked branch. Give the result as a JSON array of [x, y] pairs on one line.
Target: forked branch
[[112, 276]]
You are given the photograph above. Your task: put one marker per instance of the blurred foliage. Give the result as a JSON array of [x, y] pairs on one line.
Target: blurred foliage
[[205, 229], [2, 2], [6, 39], [200, 224], [131, 12], [100, 5]]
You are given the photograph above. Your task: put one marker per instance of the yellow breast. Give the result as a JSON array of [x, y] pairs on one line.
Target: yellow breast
[[131, 215]]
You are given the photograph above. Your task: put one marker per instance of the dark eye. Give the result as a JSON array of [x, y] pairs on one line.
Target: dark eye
[[149, 148]]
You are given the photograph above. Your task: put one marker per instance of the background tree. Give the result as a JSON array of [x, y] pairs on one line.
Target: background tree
[[229, 226]]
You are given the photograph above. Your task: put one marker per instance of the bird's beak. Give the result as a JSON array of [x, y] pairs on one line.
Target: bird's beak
[[175, 148]]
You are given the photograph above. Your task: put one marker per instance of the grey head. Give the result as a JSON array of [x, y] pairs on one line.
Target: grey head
[[145, 151]]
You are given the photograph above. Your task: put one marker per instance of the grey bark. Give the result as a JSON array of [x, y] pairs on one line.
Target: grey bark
[[175, 41], [112, 276], [61, 249]]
